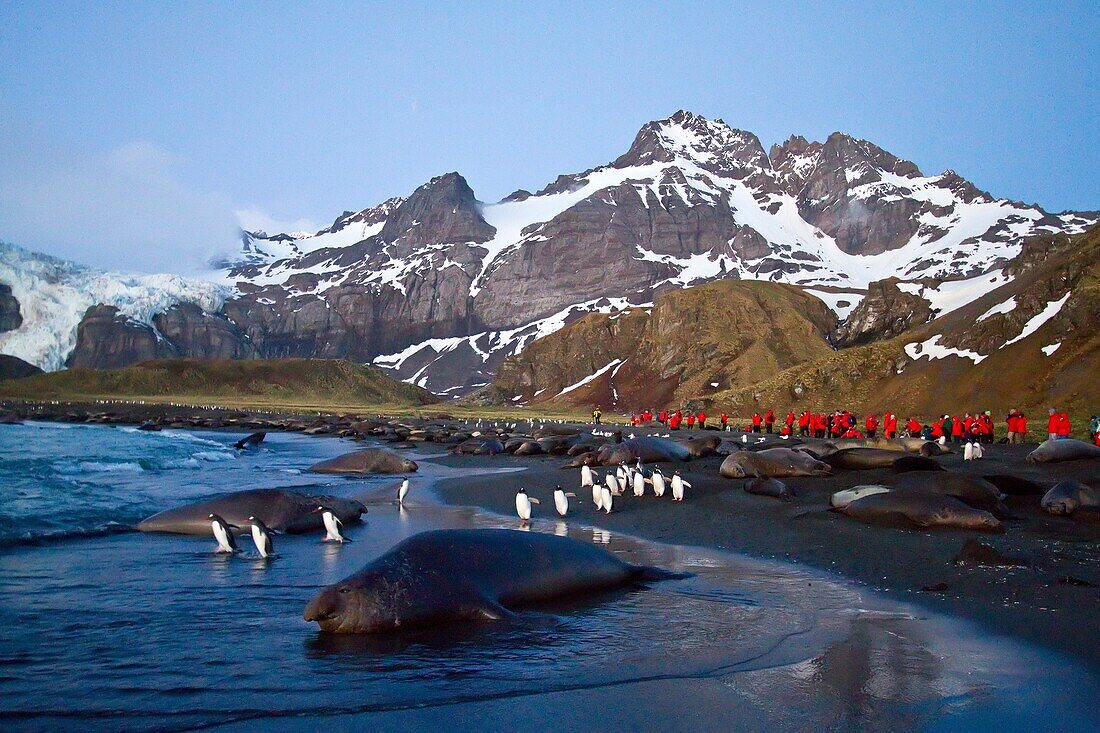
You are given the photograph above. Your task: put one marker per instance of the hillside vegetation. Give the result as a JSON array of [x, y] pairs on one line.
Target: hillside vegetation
[[226, 381]]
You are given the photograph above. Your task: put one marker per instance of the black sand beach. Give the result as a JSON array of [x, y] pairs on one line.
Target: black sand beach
[[1052, 600]]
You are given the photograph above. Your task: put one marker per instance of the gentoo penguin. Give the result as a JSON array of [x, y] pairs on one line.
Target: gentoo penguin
[[403, 491], [612, 484], [523, 505], [597, 494], [332, 525], [561, 500], [678, 485], [261, 535], [605, 502], [978, 451], [658, 480], [968, 452], [639, 483], [622, 476], [223, 533], [586, 476]]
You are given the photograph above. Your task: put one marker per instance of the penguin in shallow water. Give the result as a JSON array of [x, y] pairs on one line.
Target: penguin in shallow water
[[223, 533], [523, 505], [561, 500], [261, 535], [403, 491], [678, 485], [332, 525]]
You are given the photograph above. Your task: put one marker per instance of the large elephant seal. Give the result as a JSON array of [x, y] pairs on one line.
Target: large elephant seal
[[971, 490], [856, 459], [479, 446], [281, 510], [457, 574], [644, 449], [771, 463], [702, 447], [251, 440], [1067, 449], [1067, 497], [921, 509], [369, 460]]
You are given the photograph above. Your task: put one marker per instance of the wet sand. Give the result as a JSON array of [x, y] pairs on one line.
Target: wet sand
[[1033, 602]]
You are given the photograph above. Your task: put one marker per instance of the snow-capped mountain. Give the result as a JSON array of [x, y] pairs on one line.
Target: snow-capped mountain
[[440, 287]]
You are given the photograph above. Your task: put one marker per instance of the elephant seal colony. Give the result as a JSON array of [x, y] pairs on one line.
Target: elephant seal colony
[[467, 574]]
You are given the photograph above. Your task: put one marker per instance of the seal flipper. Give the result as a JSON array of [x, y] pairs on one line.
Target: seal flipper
[[649, 574], [485, 609]]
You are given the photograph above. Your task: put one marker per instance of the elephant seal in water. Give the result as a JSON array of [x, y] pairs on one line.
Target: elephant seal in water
[[644, 449], [369, 460], [456, 574], [251, 440], [281, 510], [919, 508], [1067, 497], [773, 462], [1054, 451], [769, 487]]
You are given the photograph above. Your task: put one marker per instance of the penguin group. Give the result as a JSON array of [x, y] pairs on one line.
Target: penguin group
[[622, 480]]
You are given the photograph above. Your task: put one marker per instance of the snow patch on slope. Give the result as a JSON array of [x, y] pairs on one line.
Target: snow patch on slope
[[590, 378], [1036, 322], [933, 350]]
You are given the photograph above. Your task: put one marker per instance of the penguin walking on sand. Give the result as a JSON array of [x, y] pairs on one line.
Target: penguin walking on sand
[[639, 483], [332, 525], [403, 491], [586, 476], [223, 533], [658, 480], [561, 500], [605, 502], [612, 484], [523, 505], [678, 485], [261, 535], [622, 476], [968, 452], [597, 495]]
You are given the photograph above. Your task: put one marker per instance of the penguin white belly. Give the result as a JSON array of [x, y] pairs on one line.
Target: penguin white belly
[[333, 527], [639, 484], [658, 485], [260, 539], [403, 491], [586, 476], [597, 494], [523, 507], [607, 500], [677, 489], [224, 544], [561, 502]]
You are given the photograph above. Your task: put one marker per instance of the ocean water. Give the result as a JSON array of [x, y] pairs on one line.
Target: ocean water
[[106, 629]]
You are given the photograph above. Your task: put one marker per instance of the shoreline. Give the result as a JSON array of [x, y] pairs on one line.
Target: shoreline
[[1033, 602], [1049, 601]]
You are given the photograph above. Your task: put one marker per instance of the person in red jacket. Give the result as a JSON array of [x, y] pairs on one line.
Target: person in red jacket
[[823, 425], [957, 430], [1064, 427], [756, 420], [1021, 428], [691, 420], [674, 421], [937, 428], [890, 425], [913, 427], [769, 420], [804, 423], [871, 425], [725, 421], [702, 418], [852, 433], [790, 422], [1052, 424]]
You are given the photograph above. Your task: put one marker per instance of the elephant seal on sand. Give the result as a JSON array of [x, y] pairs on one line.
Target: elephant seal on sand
[[905, 464], [644, 449], [855, 459], [479, 447], [773, 462], [1054, 451], [1067, 497], [529, 448], [370, 460], [922, 509], [769, 487], [702, 447], [975, 492], [467, 574], [282, 511]]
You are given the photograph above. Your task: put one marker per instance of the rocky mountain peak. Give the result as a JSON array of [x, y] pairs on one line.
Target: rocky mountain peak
[[710, 144], [373, 215], [443, 210]]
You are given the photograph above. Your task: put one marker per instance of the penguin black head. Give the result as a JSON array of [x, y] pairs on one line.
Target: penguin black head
[[322, 508]]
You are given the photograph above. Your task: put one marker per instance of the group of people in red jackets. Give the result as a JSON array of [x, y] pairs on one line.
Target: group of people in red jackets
[[970, 427]]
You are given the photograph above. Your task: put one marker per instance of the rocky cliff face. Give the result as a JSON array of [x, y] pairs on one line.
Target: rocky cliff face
[[440, 288], [10, 317]]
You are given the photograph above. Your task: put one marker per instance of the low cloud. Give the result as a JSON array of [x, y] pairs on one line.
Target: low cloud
[[124, 209], [253, 219]]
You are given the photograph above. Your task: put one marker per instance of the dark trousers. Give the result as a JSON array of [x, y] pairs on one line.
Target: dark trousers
[[767, 427], [804, 430], [870, 432]]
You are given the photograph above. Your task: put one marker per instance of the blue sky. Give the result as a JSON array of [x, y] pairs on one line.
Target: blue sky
[[134, 134]]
